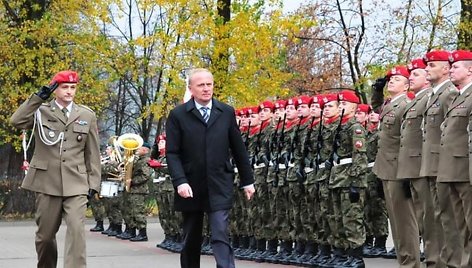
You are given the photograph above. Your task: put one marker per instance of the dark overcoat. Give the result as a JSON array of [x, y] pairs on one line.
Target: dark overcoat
[[198, 153]]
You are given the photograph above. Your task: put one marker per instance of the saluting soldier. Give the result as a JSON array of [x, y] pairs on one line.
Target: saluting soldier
[[397, 192], [65, 168], [453, 168], [439, 100]]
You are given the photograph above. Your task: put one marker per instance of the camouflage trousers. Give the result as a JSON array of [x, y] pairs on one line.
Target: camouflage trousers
[[258, 206], [309, 212], [347, 220], [269, 230], [235, 213], [244, 224], [113, 209], [282, 220], [323, 207], [137, 211], [294, 197], [168, 218], [98, 208], [375, 210], [125, 208]]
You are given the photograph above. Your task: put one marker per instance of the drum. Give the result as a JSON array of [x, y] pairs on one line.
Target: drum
[[109, 188]]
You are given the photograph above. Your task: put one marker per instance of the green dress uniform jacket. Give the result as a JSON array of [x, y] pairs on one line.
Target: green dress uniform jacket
[[67, 170], [411, 139], [386, 161], [453, 151], [436, 109]]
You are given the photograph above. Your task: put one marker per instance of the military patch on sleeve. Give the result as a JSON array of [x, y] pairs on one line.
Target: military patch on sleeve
[[359, 144]]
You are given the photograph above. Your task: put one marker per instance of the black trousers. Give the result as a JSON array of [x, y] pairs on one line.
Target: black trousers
[[192, 228]]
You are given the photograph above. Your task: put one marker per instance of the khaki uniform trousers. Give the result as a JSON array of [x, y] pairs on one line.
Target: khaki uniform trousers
[[455, 200], [426, 204], [49, 213], [404, 224]]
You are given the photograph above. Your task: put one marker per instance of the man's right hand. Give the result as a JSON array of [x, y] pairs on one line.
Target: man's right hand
[[46, 91], [184, 190]]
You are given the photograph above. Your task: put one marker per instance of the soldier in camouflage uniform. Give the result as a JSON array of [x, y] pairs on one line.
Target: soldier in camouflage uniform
[[138, 192], [320, 176], [97, 205], [113, 204], [238, 226], [163, 192], [308, 212], [270, 226], [261, 164], [284, 227], [295, 178], [347, 185], [375, 212]]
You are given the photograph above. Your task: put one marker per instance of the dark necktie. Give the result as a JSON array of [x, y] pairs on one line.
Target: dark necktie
[[65, 111], [205, 114]]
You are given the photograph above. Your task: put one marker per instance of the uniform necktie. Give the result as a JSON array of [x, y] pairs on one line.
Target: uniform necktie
[[205, 114], [65, 111]]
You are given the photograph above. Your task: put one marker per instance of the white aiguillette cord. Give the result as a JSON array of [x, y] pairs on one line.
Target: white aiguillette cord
[[42, 136]]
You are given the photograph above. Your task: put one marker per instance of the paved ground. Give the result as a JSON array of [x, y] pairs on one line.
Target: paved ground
[[17, 250]]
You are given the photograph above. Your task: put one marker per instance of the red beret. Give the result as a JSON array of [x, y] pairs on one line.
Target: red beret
[[349, 96], [280, 104], [416, 64], [318, 99], [398, 70], [460, 55], [292, 101], [305, 100], [252, 110], [365, 108], [436, 55], [266, 104], [330, 97], [241, 111], [65, 77]]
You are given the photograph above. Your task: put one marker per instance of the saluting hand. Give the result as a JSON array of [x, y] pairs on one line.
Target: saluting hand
[[184, 190], [46, 91]]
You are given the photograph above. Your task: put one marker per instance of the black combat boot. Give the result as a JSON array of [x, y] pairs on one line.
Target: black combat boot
[[246, 255], [322, 257], [165, 243], [124, 234], [116, 230], [272, 245], [131, 234], [142, 236], [98, 227], [297, 252], [234, 242], [379, 248], [243, 247], [261, 248], [355, 258], [285, 254], [108, 230], [310, 250], [368, 246]]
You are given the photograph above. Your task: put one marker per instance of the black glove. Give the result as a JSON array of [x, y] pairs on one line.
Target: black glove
[[379, 84], [263, 159], [406, 188], [91, 194], [284, 159], [380, 189], [46, 91], [301, 175], [354, 194]]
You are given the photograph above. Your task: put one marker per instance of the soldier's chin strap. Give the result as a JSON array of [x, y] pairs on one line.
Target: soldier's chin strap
[[42, 135]]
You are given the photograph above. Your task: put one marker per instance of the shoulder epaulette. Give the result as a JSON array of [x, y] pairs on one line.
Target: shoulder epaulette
[[86, 107]]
